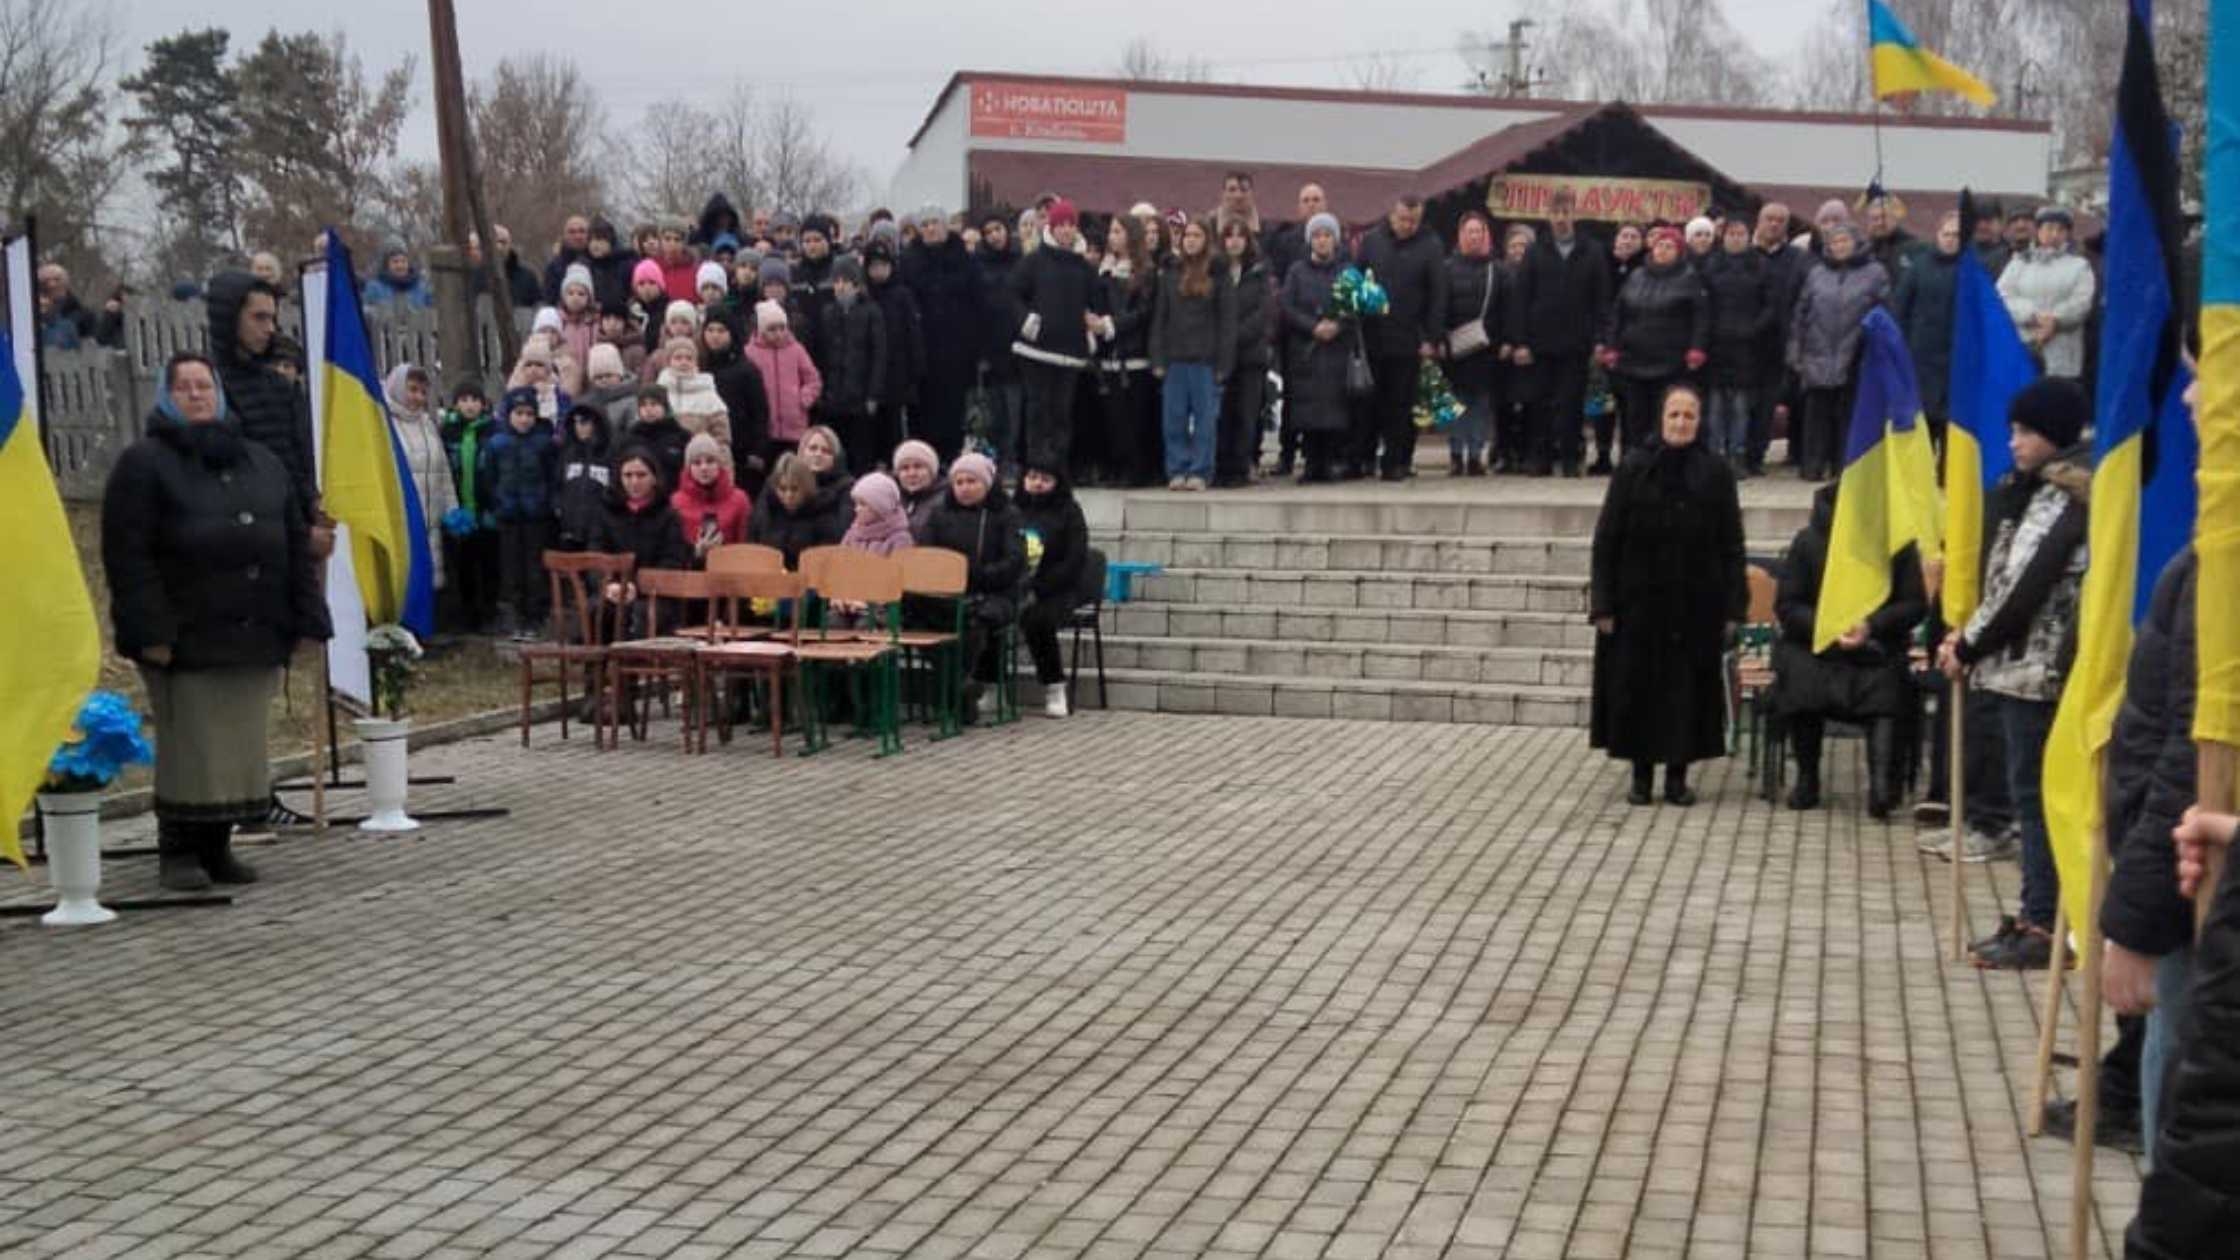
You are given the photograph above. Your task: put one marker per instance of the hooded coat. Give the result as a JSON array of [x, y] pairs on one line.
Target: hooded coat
[[421, 440], [585, 475], [206, 550], [717, 218], [1869, 681], [1668, 570], [272, 411]]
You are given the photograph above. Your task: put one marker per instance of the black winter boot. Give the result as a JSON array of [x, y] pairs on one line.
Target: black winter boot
[[1882, 768], [1644, 780], [1804, 739], [1676, 785], [216, 852], [178, 864]]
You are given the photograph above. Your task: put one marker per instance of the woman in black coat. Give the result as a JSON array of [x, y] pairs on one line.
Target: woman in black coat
[[1316, 349], [639, 522], [789, 515], [739, 385], [1862, 678], [207, 552], [1476, 294], [977, 520], [1668, 591], [1057, 545], [1243, 397], [1658, 329], [1126, 452], [1928, 292], [952, 308]]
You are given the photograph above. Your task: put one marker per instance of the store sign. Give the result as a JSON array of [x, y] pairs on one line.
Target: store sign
[[1597, 197], [1042, 111]]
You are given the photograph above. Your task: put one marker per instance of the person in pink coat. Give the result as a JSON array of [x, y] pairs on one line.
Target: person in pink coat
[[789, 380]]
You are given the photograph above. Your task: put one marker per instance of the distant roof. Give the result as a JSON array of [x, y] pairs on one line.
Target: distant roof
[[1469, 100]]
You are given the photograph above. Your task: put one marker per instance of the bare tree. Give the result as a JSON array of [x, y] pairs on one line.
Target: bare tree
[[1383, 72], [65, 162], [798, 167], [1656, 52], [318, 137], [540, 132], [759, 153], [1141, 61]]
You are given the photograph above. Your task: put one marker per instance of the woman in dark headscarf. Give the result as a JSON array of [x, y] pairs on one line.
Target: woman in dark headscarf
[[211, 585], [1668, 591]]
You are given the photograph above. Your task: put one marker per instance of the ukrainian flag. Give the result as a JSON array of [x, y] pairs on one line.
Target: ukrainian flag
[[2143, 458], [2216, 715], [1902, 66], [1990, 366], [50, 648], [1888, 499], [365, 483]]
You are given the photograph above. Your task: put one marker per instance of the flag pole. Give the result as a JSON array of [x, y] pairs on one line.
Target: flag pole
[[2049, 1021], [2213, 789], [1956, 799], [2081, 1204]]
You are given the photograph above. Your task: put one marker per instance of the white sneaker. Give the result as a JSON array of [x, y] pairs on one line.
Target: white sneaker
[[989, 702], [1054, 702], [1937, 844]]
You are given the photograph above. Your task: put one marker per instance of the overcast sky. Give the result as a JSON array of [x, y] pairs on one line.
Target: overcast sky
[[871, 67]]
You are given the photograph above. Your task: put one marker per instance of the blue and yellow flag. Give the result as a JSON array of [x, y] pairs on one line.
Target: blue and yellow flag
[[1990, 365], [1902, 66], [365, 483], [2143, 458], [2216, 713], [50, 648], [1888, 500]]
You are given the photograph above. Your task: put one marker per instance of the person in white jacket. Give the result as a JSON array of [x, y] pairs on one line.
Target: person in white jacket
[[406, 390], [2049, 291]]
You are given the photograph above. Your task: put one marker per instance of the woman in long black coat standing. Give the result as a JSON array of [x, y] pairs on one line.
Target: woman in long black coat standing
[[952, 308], [211, 585], [1668, 592], [1315, 402]]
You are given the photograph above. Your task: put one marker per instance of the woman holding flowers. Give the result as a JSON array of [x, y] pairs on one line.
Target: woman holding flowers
[[1318, 342], [211, 586]]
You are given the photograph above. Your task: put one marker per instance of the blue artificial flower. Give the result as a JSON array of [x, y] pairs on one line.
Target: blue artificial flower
[[107, 738], [458, 522]]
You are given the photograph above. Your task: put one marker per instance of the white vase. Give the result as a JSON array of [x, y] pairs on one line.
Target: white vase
[[73, 835], [384, 742]]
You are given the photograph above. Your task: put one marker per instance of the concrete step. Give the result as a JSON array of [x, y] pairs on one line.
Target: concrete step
[[1416, 553], [1363, 626], [1165, 691], [1273, 658], [1348, 588], [1295, 514]]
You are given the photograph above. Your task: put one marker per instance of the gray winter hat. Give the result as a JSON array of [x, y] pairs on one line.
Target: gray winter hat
[[1325, 222]]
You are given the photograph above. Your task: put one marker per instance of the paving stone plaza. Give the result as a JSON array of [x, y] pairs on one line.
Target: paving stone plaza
[[1128, 984]]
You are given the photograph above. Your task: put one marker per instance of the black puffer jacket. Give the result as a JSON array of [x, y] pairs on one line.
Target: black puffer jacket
[[1000, 311], [1256, 304], [649, 532], [1055, 289], [1862, 682], [1131, 302], [207, 551], [987, 535], [906, 342], [2189, 1204], [271, 410], [1414, 274], [586, 472], [739, 385], [1475, 287], [854, 362], [1743, 302], [952, 307], [2151, 770], [1561, 304], [1660, 315], [1927, 295], [1054, 523], [791, 530]]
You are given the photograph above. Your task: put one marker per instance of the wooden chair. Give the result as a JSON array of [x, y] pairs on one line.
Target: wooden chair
[[735, 558], [1752, 667], [581, 624], [766, 659], [938, 573], [663, 661], [842, 575]]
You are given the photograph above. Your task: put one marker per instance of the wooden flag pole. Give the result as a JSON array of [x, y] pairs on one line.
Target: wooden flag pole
[[319, 750], [2081, 1205], [2213, 790], [2049, 1021], [1956, 796]]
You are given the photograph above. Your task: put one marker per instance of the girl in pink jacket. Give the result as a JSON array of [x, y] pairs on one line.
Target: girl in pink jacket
[[789, 379]]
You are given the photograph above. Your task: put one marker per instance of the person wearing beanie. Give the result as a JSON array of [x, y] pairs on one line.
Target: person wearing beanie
[[657, 430], [773, 282], [1702, 238], [679, 320], [579, 313], [917, 470], [2018, 646], [853, 356], [546, 320], [613, 390], [610, 264], [809, 280], [1060, 575], [1066, 315], [680, 271], [522, 468], [711, 511], [2049, 291], [586, 450], [976, 519], [946, 283], [791, 385], [1317, 405], [710, 286], [745, 401], [881, 525], [470, 553], [692, 392], [648, 292], [1824, 335], [536, 372]]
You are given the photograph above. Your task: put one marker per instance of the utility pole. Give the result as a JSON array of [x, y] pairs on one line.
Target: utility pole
[[463, 212]]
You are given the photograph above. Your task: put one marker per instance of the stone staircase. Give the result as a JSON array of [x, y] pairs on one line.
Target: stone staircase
[[1437, 602]]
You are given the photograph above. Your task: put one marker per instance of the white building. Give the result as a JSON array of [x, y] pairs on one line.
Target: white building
[[995, 140]]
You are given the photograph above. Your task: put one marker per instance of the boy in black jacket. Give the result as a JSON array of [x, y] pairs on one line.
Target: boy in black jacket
[[853, 359]]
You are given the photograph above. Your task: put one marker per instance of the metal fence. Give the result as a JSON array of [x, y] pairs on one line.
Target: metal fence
[[98, 398]]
